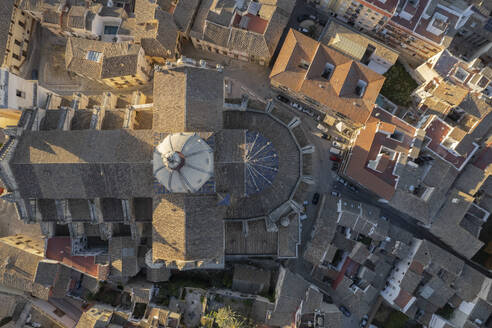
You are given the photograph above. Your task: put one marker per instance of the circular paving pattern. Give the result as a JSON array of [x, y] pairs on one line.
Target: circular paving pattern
[[261, 161]]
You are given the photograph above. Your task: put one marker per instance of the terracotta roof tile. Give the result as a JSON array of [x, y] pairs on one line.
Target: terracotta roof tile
[[337, 92], [380, 180]]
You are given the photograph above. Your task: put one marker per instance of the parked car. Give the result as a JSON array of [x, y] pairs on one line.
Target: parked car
[[335, 151], [353, 188], [334, 166], [302, 30], [335, 158], [363, 322], [303, 217], [341, 139], [345, 311], [315, 198], [326, 136], [295, 105], [337, 144], [322, 135], [335, 194], [342, 181], [318, 118], [282, 99], [313, 17]]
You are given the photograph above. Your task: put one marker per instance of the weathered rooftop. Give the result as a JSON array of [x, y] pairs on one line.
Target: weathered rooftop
[[187, 228], [326, 76], [260, 36], [188, 99], [112, 59], [354, 44], [368, 164], [44, 157]]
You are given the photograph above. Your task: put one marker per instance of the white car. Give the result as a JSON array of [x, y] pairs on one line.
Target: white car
[[303, 217], [335, 194], [296, 106]]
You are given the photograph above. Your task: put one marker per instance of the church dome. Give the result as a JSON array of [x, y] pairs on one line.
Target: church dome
[[183, 162]]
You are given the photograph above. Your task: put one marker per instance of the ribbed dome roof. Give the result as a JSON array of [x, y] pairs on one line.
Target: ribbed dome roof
[[183, 162]]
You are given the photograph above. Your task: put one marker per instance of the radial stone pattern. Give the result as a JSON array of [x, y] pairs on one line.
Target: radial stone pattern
[[261, 161], [183, 162]]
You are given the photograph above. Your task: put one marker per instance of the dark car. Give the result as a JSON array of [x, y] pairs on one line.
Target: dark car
[[282, 99], [345, 311], [335, 158], [363, 322], [302, 18], [334, 166], [315, 198], [352, 188], [326, 136]]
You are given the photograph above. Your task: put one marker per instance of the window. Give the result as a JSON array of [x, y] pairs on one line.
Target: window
[[109, 29], [360, 88], [461, 74], [94, 55], [328, 71], [21, 24], [397, 135], [20, 93], [17, 42]]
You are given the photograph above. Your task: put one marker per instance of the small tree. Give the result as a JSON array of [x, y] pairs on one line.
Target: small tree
[[226, 318]]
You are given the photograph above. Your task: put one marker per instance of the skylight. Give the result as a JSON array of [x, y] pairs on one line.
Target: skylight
[[360, 88], [328, 71], [94, 55], [397, 135], [461, 74]]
